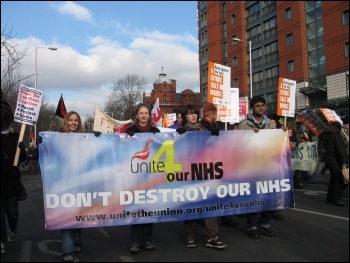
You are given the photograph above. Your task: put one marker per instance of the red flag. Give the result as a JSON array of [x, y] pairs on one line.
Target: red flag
[[156, 114], [61, 108]]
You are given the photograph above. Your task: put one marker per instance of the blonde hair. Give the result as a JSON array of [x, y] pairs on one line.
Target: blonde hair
[[64, 124]]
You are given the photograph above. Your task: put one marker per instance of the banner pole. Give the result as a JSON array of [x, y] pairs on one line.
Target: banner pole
[[21, 134]]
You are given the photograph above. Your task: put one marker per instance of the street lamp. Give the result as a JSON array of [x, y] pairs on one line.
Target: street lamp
[[250, 68], [36, 74]]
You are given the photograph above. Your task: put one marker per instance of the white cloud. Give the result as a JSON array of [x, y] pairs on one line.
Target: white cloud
[[77, 11], [86, 80]]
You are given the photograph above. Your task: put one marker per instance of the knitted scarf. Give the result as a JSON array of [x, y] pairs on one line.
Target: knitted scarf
[[146, 128], [194, 127]]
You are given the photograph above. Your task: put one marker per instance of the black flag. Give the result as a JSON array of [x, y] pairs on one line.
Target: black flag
[[61, 108]]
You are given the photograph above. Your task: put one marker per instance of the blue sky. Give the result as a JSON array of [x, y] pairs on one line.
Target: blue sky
[[99, 42]]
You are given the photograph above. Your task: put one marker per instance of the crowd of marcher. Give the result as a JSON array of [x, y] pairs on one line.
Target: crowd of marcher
[[336, 144]]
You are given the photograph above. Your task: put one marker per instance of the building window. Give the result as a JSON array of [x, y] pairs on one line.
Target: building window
[[235, 62], [233, 19], [288, 13], [225, 50], [234, 42], [223, 11], [164, 98], [291, 66], [347, 49], [346, 17], [224, 29], [290, 40], [235, 83]]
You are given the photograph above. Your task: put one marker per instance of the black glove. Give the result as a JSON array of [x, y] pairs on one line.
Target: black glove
[[215, 131], [22, 146], [97, 133], [180, 130], [130, 133], [39, 139]]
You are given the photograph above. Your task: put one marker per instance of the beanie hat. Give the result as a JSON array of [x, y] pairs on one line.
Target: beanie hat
[[208, 108]]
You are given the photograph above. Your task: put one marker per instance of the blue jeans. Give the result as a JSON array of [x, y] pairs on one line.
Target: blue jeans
[[70, 239], [9, 209], [254, 220]]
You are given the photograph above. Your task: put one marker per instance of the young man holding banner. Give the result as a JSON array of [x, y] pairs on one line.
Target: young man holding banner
[[256, 122]]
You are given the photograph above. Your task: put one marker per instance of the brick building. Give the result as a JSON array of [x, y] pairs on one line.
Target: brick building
[[305, 41], [164, 88]]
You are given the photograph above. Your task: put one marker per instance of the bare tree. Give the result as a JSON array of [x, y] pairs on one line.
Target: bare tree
[[11, 55], [125, 94], [11, 77]]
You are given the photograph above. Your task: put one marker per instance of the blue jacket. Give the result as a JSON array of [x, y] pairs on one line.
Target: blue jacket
[[175, 125]]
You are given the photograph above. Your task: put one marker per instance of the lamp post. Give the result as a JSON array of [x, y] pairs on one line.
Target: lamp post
[[36, 73], [250, 69]]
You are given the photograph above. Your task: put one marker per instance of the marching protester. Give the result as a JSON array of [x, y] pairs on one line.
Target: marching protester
[[71, 238], [190, 122], [10, 184], [33, 158], [177, 122], [6, 113], [256, 222], [141, 234], [209, 122], [335, 159]]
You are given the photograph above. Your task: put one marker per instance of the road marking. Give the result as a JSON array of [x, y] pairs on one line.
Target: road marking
[[26, 253], [321, 214], [42, 245], [126, 259], [314, 192], [104, 233]]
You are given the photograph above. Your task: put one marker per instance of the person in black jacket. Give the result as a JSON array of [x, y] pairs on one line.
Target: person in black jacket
[[335, 159], [6, 113], [190, 114], [209, 122], [141, 234], [10, 184]]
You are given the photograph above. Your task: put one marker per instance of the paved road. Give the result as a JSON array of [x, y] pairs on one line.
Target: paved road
[[312, 232]]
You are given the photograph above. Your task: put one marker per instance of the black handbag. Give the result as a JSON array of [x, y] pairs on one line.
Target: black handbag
[[22, 192]]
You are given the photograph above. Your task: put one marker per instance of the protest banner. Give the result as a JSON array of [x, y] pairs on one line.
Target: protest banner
[[312, 121], [115, 179], [305, 156], [219, 84], [230, 113], [169, 119], [331, 115], [106, 124], [27, 111], [28, 105], [286, 97]]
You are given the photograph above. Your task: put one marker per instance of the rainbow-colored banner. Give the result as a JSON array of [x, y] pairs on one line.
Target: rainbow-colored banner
[[115, 179]]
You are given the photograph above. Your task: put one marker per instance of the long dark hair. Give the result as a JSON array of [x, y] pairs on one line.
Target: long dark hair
[[188, 109]]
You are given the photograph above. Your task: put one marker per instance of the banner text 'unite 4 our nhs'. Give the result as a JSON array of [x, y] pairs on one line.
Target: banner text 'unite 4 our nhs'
[[115, 179]]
